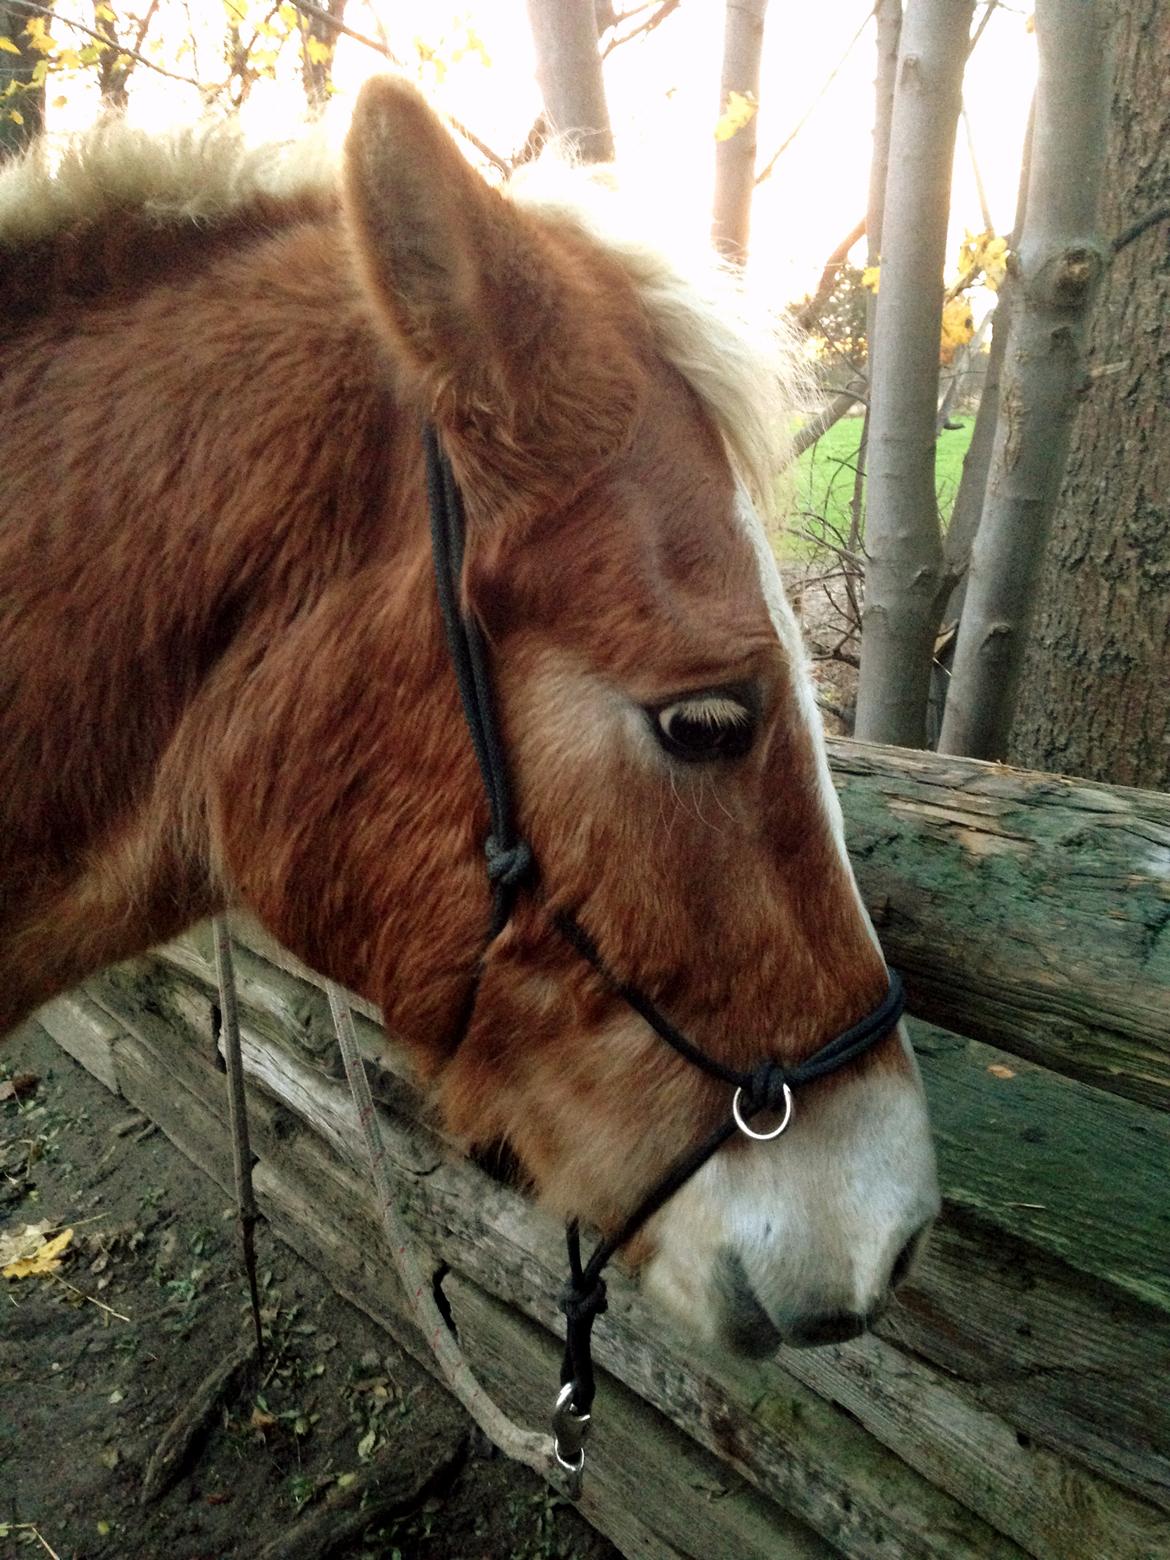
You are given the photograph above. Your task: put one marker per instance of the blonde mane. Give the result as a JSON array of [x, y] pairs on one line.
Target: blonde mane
[[739, 359]]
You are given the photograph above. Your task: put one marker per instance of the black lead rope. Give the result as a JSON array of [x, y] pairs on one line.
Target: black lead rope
[[768, 1087], [509, 858]]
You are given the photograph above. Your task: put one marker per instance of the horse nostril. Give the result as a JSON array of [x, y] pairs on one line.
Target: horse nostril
[[837, 1327]]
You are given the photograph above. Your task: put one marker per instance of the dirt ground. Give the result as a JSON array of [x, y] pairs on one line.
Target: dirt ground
[[98, 1357]]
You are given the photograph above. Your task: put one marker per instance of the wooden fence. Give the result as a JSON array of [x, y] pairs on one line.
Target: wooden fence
[[1016, 1402]]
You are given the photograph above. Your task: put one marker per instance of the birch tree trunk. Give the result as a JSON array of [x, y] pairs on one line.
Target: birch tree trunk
[[968, 507], [1095, 695], [568, 67], [977, 461], [1058, 263], [735, 157], [902, 544], [888, 17]]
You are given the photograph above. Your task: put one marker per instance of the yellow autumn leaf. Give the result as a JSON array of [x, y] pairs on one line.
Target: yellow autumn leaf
[[318, 51], [103, 13], [45, 1258], [739, 111], [8, 46], [16, 116], [870, 277], [958, 326], [984, 253], [43, 43]]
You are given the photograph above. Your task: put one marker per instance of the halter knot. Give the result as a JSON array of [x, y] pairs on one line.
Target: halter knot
[[764, 1089], [582, 1305], [507, 864]]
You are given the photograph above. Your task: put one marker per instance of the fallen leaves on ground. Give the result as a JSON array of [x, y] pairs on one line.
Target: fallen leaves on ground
[[18, 1086], [30, 1252]]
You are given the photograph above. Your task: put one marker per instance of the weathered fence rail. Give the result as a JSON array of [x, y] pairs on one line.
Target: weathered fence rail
[[1028, 910], [1014, 1404]]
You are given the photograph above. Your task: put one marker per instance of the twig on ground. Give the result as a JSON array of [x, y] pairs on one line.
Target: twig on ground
[[101, 1305], [182, 1435], [386, 1489]]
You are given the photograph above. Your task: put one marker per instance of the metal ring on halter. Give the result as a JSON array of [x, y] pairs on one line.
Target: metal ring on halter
[[762, 1137], [570, 1429]]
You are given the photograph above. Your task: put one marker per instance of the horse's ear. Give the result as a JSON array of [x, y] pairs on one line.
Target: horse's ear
[[455, 266], [491, 321]]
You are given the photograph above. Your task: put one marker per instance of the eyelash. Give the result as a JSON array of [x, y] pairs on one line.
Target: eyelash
[[716, 723]]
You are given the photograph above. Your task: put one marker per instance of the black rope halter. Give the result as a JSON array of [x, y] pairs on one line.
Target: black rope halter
[[768, 1087]]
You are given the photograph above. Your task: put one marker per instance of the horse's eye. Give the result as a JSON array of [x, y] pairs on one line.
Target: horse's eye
[[704, 726]]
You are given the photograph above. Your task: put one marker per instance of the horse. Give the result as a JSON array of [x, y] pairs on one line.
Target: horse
[[224, 682]]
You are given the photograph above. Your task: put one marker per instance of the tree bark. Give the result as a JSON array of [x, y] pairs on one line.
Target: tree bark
[[888, 17], [735, 157], [317, 74], [568, 67], [15, 135], [968, 507], [902, 543], [1058, 263], [1095, 699]]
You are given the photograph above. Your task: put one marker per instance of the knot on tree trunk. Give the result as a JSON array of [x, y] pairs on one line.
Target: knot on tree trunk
[[1066, 279]]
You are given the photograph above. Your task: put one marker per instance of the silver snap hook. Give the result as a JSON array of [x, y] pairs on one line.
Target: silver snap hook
[[569, 1432], [748, 1131]]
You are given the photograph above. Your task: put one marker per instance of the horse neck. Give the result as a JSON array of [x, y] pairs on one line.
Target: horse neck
[[343, 805]]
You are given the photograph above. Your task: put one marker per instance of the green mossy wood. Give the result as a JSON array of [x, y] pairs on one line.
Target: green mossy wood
[[1023, 909]]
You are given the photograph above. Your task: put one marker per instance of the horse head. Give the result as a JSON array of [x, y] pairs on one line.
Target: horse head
[[665, 750]]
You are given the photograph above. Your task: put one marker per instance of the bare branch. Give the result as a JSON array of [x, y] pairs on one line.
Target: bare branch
[[805, 315], [808, 113], [840, 406], [665, 9], [1136, 229], [104, 38], [315, 11]]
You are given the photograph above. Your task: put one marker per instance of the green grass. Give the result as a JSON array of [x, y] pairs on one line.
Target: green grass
[[824, 480]]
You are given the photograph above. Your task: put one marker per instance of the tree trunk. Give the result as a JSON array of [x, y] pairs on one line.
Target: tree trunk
[[1096, 692], [902, 544], [568, 67], [114, 66], [888, 19], [29, 104], [888, 16], [968, 507], [735, 154], [316, 67], [977, 461], [1059, 260]]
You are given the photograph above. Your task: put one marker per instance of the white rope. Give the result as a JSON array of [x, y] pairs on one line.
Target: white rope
[[526, 1446]]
